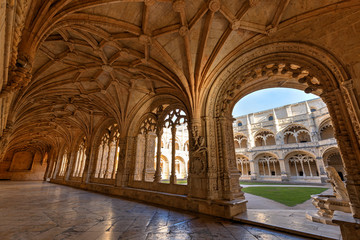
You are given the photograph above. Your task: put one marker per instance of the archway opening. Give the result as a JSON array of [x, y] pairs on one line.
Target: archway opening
[[281, 139]]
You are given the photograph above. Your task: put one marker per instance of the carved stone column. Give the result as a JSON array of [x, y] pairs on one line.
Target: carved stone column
[[126, 156], [69, 166], [173, 152], [58, 165], [284, 169], [140, 157], [87, 171], [229, 172], [254, 168], [149, 155], [157, 176], [49, 164], [339, 107]]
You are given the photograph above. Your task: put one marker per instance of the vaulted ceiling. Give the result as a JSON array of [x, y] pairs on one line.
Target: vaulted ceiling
[[98, 59]]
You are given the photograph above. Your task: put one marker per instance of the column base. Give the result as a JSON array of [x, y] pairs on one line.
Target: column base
[[220, 208], [284, 178], [349, 226]]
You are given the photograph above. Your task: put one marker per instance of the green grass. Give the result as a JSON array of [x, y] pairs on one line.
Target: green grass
[[263, 183], [179, 181], [289, 196]]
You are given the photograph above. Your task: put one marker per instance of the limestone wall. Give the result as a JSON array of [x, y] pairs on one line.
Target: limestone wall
[[23, 165]]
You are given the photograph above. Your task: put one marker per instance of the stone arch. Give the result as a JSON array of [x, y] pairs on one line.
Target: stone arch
[[287, 64], [240, 140], [302, 164], [296, 133], [106, 161], [264, 137], [180, 167], [332, 157], [268, 164], [243, 164], [160, 108], [326, 130], [164, 165], [79, 158]]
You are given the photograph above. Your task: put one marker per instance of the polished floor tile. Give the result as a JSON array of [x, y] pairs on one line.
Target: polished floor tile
[[41, 210]]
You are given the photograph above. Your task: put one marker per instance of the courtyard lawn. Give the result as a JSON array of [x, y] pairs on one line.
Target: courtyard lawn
[[264, 183], [179, 181], [289, 196]]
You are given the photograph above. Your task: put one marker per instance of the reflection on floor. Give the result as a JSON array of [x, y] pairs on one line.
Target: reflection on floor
[[40, 210]]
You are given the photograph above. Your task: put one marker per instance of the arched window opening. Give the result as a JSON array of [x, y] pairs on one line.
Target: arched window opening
[[239, 124], [186, 146], [296, 134], [162, 152], [268, 165], [326, 130], [80, 159], [108, 154], [333, 158], [64, 163], [302, 165], [174, 128], [243, 165], [270, 118], [264, 138], [312, 109], [240, 141]]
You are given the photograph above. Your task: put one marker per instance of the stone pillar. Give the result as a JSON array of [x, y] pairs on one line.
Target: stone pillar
[[312, 127], [251, 142], [87, 169], [58, 164], [148, 174], [173, 152], [201, 184], [349, 226], [157, 176], [321, 169], [126, 158], [69, 166], [254, 168], [229, 172], [344, 123], [49, 164], [140, 154], [284, 169]]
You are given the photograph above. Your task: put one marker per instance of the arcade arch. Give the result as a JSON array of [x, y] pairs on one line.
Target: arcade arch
[[296, 134], [243, 165], [326, 129], [302, 164], [264, 137], [332, 158], [268, 165], [293, 65]]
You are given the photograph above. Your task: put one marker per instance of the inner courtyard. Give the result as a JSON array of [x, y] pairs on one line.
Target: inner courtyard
[[135, 99]]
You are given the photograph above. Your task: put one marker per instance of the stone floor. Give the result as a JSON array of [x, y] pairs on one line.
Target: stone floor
[[40, 210]]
